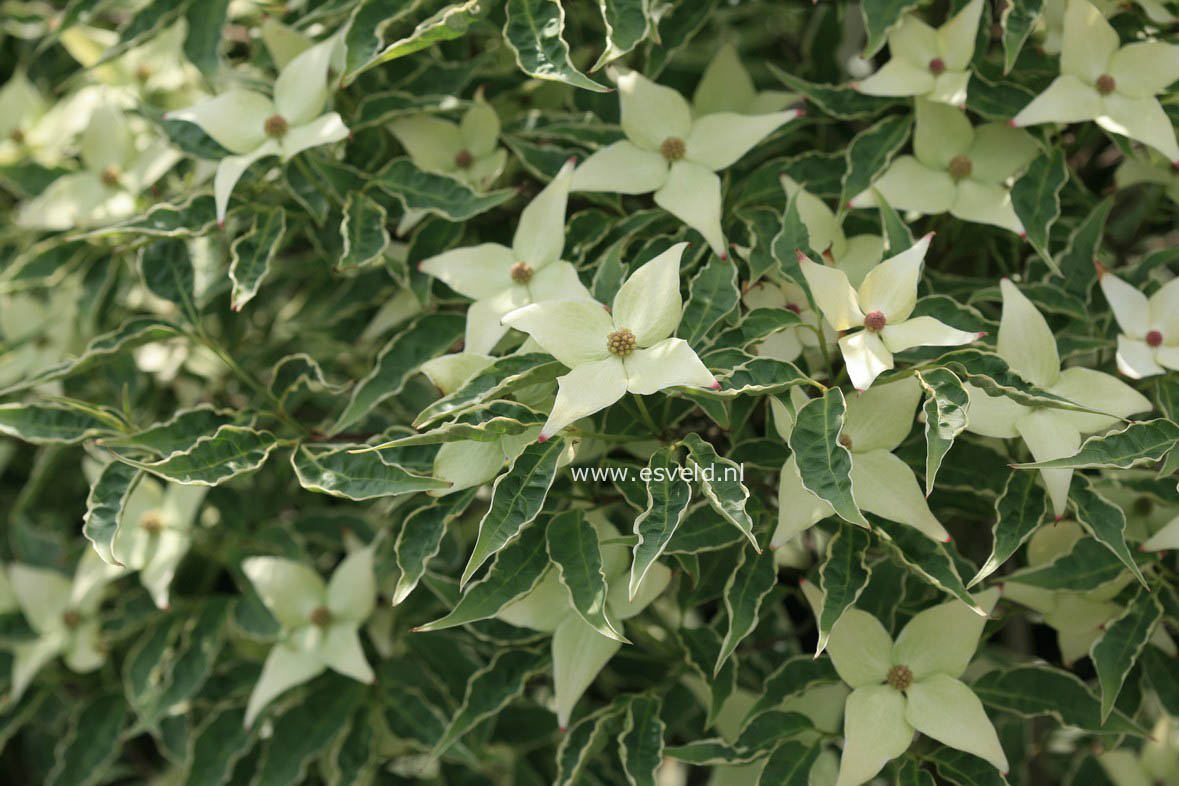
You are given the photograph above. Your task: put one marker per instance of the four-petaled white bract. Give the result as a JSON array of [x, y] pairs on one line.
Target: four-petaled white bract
[[1149, 341], [501, 279], [876, 316], [611, 352], [929, 62], [956, 168], [912, 684], [1111, 84], [320, 622], [1027, 344], [155, 532], [580, 651], [674, 154], [252, 126], [875, 424]]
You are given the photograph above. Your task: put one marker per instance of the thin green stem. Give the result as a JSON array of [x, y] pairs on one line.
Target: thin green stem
[[645, 414]]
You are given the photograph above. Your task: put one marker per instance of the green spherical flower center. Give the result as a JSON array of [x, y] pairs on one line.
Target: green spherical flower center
[[620, 342], [17, 136], [276, 126], [960, 167], [899, 677], [321, 617], [672, 148], [71, 619], [463, 159], [1106, 84]]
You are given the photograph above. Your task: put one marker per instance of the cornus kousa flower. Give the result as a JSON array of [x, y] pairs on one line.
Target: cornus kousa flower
[[881, 306], [725, 86], [1149, 341], [579, 650], [500, 279], [875, 424], [1025, 341], [32, 128], [787, 344], [465, 150], [155, 532], [320, 622], [116, 169], [956, 168], [1077, 617], [1157, 764], [252, 126], [855, 256], [1114, 86], [673, 154], [63, 614], [910, 685], [929, 62], [611, 353]]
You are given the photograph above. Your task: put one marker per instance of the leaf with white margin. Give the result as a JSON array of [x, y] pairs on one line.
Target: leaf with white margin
[[585, 738], [1018, 513], [843, 576], [443, 196], [362, 231], [515, 572], [43, 424], [534, 32], [640, 744], [229, 452], [1145, 442], [925, 557], [427, 337], [724, 489], [420, 539], [945, 411], [252, 252], [574, 549], [1121, 642], [1034, 690], [1103, 520], [824, 464], [746, 588], [357, 476], [1036, 199], [517, 497], [491, 689], [668, 495], [104, 506], [501, 377]]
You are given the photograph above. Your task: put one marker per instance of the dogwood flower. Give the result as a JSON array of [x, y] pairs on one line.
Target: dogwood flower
[[956, 168], [1114, 86], [1151, 168], [500, 279], [725, 86], [320, 622], [673, 154], [579, 650], [115, 171], [1077, 617], [156, 70], [1149, 341], [155, 533], [855, 256], [252, 126], [35, 331], [881, 305], [1026, 342], [875, 424], [32, 128], [929, 62], [64, 615], [1157, 764], [912, 684], [466, 150], [608, 353], [1050, 23], [787, 344]]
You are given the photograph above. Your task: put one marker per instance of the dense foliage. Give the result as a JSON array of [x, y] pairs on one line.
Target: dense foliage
[[643, 392]]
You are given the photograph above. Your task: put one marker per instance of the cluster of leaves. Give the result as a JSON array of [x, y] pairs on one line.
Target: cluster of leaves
[[322, 459]]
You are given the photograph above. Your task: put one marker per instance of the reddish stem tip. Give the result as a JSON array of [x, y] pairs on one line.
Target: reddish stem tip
[[542, 438]]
